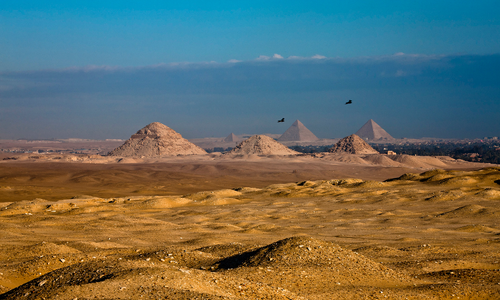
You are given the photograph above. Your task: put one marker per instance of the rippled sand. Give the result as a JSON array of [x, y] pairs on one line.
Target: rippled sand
[[420, 235]]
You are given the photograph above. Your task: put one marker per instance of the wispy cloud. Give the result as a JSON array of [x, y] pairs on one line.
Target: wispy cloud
[[395, 58], [317, 56]]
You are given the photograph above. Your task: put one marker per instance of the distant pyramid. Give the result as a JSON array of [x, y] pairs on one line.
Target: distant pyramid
[[231, 138], [261, 145], [352, 144], [373, 131], [298, 132], [156, 140]]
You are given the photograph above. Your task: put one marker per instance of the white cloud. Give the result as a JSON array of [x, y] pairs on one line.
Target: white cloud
[[277, 56], [317, 56]]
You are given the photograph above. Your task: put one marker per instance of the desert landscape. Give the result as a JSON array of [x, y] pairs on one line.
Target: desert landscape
[[246, 150], [158, 218]]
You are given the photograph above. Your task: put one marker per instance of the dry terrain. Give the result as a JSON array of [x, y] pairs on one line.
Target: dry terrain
[[328, 226]]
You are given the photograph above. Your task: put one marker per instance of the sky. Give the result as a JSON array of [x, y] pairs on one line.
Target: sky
[[105, 69]]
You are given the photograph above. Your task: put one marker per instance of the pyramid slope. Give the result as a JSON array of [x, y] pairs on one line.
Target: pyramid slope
[[353, 144], [231, 138], [156, 140], [373, 131], [261, 145], [298, 132]]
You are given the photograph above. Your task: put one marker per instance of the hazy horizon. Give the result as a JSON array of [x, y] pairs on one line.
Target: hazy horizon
[[105, 70]]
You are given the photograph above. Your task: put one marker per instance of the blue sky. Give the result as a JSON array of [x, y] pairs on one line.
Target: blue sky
[[104, 69]]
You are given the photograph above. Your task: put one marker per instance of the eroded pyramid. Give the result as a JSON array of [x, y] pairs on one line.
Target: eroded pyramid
[[353, 144], [156, 140], [373, 131], [261, 145], [298, 132]]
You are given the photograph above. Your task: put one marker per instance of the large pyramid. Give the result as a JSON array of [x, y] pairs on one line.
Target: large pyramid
[[261, 145], [373, 131], [231, 138], [298, 132], [352, 144], [156, 140]]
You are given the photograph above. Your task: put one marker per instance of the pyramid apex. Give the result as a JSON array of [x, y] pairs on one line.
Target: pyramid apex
[[155, 125], [372, 131], [155, 128], [298, 132]]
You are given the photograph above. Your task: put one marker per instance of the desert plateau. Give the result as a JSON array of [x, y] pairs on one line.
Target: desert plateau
[[231, 226]]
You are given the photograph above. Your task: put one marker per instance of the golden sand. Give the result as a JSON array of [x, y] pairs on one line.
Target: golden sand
[[423, 235]]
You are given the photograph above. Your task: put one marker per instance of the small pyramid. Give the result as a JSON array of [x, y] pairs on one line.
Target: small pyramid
[[231, 138], [353, 144], [261, 145], [373, 131], [298, 132], [156, 140]]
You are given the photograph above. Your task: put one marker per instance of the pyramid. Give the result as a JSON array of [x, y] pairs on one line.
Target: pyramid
[[373, 131], [156, 140], [231, 138], [298, 132], [352, 144], [261, 145]]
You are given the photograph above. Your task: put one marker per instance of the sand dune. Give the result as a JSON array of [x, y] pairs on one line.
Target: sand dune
[[418, 235]]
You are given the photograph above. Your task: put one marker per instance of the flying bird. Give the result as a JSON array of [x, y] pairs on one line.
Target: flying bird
[[282, 120], [349, 102]]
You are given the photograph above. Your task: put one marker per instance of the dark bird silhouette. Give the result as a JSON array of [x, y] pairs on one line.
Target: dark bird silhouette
[[282, 120], [349, 102]]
